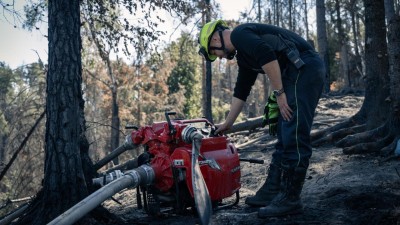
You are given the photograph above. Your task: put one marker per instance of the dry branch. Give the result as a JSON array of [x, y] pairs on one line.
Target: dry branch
[[21, 146]]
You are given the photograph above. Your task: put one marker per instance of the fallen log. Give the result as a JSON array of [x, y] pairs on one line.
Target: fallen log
[[256, 122], [249, 124]]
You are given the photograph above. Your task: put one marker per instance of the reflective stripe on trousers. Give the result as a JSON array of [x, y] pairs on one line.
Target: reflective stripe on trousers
[[303, 89]]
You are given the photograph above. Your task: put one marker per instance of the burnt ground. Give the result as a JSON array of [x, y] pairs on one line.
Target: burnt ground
[[339, 189]]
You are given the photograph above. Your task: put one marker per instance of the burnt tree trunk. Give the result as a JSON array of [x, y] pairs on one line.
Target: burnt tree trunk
[[323, 40], [358, 66], [64, 181], [306, 19], [208, 102], [377, 132], [376, 60], [394, 73], [389, 10], [344, 60], [394, 59], [115, 122]]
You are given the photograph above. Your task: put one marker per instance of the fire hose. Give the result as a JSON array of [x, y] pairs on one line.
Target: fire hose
[[202, 197], [141, 175]]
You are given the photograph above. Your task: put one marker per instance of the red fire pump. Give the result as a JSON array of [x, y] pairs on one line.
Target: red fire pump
[[185, 165], [170, 157]]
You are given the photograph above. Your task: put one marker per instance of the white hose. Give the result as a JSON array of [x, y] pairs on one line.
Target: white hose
[[141, 175]]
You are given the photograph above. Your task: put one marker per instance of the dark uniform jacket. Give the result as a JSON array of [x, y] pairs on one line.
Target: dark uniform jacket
[[257, 45]]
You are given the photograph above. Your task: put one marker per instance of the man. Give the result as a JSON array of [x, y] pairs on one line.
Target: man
[[296, 75]]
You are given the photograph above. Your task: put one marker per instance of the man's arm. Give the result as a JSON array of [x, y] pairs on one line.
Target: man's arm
[[273, 72], [236, 108]]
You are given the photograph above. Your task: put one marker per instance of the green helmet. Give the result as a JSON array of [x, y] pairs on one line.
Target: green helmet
[[205, 36]]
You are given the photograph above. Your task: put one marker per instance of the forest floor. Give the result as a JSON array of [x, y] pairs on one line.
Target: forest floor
[[339, 189]]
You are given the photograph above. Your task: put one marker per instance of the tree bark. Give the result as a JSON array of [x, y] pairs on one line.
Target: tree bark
[[290, 7], [394, 72], [64, 181], [389, 10], [379, 131], [394, 56], [344, 61], [358, 65], [306, 19], [115, 123], [323, 40], [377, 79], [208, 101]]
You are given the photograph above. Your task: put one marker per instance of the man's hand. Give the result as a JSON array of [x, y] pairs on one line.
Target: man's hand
[[271, 115], [284, 108], [236, 107], [221, 128]]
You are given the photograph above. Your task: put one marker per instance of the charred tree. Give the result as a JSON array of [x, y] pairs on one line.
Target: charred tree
[[208, 102], [323, 40], [344, 60], [394, 73], [357, 55], [68, 168], [371, 129], [64, 181]]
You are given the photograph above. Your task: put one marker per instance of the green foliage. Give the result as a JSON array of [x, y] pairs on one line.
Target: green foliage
[[34, 13], [6, 75], [185, 75]]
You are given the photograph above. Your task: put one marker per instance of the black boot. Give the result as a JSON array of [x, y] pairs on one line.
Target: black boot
[[288, 201], [269, 189]]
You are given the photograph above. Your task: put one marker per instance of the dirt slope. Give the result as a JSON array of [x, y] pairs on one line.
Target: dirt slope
[[339, 189]]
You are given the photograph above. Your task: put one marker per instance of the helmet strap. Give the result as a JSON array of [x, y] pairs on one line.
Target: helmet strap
[[230, 55]]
